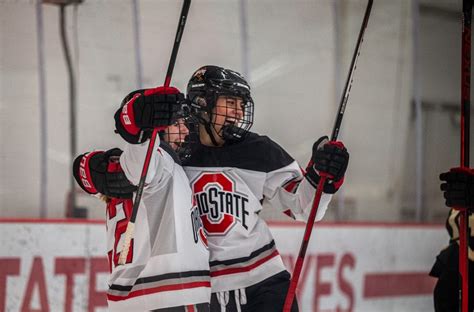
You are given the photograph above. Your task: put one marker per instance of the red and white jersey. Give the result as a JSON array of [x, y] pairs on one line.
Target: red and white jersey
[[168, 262], [230, 184]]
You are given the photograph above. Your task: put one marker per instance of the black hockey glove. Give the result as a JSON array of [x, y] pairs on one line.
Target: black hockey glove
[[100, 172], [330, 158], [458, 188], [145, 110]]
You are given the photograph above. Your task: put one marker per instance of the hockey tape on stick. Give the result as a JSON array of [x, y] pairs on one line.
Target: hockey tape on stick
[[127, 242]]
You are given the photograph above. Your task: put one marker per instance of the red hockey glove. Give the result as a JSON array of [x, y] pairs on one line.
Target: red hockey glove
[[458, 188], [100, 172], [144, 110], [330, 158]]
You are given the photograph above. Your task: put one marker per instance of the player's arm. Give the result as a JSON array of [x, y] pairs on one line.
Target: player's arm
[[141, 112], [295, 189]]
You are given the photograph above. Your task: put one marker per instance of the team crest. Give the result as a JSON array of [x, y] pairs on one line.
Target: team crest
[[199, 74], [219, 205]]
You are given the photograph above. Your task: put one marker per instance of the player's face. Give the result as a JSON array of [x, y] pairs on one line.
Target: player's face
[[228, 111], [176, 134]]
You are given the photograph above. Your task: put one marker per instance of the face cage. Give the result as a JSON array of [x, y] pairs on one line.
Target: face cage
[[224, 120], [181, 135], [232, 121]]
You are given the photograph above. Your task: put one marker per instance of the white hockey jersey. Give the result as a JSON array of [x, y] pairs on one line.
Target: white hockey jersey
[[168, 262], [230, 184]]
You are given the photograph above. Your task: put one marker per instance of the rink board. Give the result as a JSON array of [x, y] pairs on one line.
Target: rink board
[[60, 265]]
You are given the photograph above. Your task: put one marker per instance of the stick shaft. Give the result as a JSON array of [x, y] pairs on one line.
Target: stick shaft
[[465, 129], [304, 246], [177, 40], [151, 144], [350, 77]]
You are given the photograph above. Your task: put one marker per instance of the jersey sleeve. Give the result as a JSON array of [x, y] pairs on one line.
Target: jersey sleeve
[[287, 190], [133, 158], [452, 226]]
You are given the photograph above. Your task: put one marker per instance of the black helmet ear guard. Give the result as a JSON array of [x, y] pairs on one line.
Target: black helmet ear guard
[[206, 85]]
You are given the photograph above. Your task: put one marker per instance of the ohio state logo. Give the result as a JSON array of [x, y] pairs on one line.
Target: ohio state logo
[[219, 205]]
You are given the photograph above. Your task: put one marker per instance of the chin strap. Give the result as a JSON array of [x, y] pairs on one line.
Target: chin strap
[[205, 122], [207, 126]]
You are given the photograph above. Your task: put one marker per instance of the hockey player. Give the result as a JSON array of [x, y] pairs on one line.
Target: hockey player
[[232, 173], [167, 267], [458, 191]]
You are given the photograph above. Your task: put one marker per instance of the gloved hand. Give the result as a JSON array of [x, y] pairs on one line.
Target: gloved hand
[[458, 187], [100, 172], [144, 110], [330, 158]]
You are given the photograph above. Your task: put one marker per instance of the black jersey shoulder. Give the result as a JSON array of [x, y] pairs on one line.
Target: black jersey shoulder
[[164, 145], [255, 152]]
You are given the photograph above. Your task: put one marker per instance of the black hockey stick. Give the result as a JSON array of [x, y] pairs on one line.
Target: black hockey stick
[[319, 190], [141, 185], [465, 125]]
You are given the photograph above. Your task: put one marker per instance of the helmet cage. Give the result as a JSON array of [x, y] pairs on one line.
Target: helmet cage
[[181, 135], [234, 120]]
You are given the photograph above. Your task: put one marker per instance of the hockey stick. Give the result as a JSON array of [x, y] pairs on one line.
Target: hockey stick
[[319, 190], [465, 125], [141, 185]]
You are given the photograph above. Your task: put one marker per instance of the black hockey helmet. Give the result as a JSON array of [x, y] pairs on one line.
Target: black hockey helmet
[[210, 82]]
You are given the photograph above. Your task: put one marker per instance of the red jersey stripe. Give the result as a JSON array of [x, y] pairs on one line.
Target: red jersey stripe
[[245, 268], [154, 290]]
